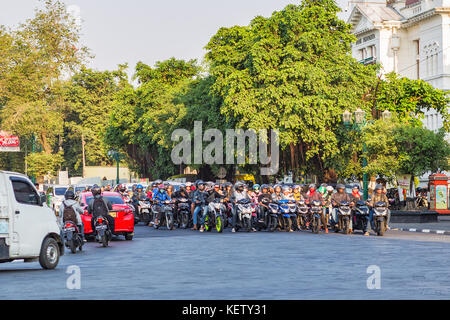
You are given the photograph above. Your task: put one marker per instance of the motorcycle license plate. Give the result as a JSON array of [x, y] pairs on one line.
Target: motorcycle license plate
[[100, 227], [70, 229]]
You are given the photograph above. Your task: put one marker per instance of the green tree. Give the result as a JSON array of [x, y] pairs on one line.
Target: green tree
[[35, 58], [88, 99], [409, 99], [292, 71], [42, 163]]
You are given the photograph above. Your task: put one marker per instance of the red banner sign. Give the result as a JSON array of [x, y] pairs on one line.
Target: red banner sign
[[9, 143]]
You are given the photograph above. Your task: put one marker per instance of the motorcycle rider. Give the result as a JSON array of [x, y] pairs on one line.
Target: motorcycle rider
[[297, 194], [277, 194], [239, 194], [336, 200], [200, 203], [158, 198], [328, 206], [263, 208], [70, 210], [313, 195], [378, 196], [100, 206]]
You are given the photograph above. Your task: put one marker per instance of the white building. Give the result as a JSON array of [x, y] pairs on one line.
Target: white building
[[409, 37]]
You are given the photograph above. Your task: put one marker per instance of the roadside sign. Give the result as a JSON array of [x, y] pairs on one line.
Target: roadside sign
[[9, 143]]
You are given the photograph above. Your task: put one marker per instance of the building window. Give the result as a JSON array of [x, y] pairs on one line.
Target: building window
[[417, 52]]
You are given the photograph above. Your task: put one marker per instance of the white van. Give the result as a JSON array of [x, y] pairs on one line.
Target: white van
[[28, 227]]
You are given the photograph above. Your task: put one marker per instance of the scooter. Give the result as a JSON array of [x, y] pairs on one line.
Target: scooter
[[361, 216], [166, 216], [102, 231], [215, 216], [315, 212], [380, 212], [303, 217], [144, 211], [285, 215], [72, 238], [344, 215], [244, 211], [184, 213]]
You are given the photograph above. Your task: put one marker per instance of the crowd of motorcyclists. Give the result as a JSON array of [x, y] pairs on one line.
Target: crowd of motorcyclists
[[284, 202]]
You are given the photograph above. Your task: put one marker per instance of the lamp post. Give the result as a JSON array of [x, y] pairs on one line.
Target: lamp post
[[357, 125], [116, 156]]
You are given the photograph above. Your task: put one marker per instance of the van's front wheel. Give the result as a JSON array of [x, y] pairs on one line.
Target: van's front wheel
[[49, 256]]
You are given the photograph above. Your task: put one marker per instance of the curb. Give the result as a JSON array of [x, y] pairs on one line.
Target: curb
[[440, 232]]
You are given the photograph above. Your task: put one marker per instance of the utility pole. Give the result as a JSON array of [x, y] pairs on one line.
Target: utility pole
[[84, 158]]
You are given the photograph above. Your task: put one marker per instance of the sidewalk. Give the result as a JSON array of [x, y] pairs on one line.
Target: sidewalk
[[441, 227]]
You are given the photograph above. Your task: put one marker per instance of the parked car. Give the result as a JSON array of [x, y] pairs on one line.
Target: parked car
[[28, 228]]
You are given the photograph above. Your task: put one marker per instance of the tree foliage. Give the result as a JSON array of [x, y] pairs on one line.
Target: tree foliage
[[291, 71]]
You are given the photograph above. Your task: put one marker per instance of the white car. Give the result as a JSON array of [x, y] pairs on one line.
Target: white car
[[56, 193], [28, 228]]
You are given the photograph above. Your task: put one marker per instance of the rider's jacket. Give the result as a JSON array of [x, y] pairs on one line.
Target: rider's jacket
[[337, 198], [277, 196], [182, 194], [160, 196], [200, 196], [289, 196], [240, 195], [314, 196], [298, 196], [76, 207], [215, 195], [91, 205], [264, 196], [377, 198]]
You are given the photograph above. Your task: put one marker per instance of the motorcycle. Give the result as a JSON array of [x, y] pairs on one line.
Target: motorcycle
[[215, 216], [166, 209], [285, 215], [184, 213], [361, 214], [344, 216], [271, 218], [303, 217], [316, 211], [72, 238], [102, 231], [380, 212], [244, 211], [144, 211]]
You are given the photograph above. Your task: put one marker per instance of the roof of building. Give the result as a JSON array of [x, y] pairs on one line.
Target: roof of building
[[374, 13]]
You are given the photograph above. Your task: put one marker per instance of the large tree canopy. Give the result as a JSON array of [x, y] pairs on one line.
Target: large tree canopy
[[292, 71]]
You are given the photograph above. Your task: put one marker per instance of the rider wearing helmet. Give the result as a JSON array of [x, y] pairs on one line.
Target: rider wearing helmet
[[71, 210], [297, 193], [200, 204], [238, 194], [138, 195], [378, 196], [287, 195], [336, 200], [277, 192], [158, 198], [263, 199], [313, 195], [94, 210]]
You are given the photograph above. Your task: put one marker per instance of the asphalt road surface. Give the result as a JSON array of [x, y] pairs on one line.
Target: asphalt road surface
[[182, 264]]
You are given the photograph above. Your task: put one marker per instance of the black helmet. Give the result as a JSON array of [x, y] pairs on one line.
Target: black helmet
[[69, 195], [96, 190]]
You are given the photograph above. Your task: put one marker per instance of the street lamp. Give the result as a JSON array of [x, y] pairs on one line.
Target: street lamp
[[116, 156], [359, 122]]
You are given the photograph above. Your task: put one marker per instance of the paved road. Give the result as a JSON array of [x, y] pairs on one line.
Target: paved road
[[180, 264]]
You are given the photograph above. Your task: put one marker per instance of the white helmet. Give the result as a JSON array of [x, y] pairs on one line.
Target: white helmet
[[330, 189]]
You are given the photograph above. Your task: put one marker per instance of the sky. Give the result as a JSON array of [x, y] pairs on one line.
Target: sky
[[119, 31]]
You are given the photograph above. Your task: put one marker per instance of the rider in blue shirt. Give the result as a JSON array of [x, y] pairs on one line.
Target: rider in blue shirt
[[159, 196]]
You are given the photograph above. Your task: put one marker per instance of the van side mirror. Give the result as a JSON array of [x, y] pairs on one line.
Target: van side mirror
[[43, 199]]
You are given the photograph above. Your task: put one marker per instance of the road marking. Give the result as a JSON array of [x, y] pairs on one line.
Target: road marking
[[440, 231], [413, 230], [426, 230]]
